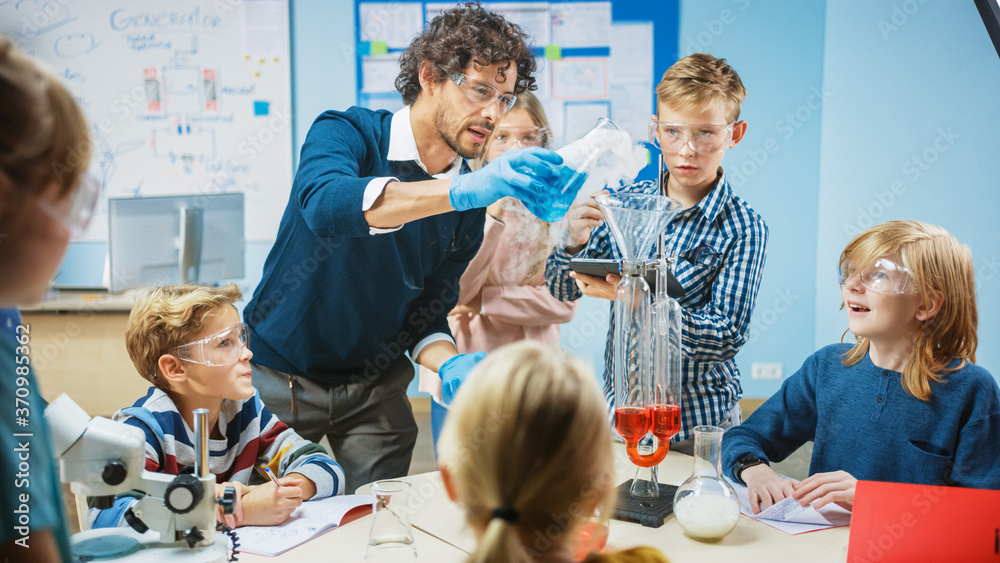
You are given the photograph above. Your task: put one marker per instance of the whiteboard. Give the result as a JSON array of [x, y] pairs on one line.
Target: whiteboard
[[184, 97]]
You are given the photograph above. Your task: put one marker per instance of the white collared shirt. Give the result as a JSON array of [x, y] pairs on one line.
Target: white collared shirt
[[402, 147]]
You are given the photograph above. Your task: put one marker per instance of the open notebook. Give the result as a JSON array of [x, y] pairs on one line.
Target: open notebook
[[312, 519]]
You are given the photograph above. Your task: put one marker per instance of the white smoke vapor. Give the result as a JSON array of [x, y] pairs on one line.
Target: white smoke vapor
[[607, 157]]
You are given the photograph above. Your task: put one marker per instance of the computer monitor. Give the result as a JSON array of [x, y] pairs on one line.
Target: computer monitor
[[175, 239], [989, 10]]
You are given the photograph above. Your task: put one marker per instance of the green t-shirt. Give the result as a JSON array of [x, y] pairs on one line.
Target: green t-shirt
[[30, 492]]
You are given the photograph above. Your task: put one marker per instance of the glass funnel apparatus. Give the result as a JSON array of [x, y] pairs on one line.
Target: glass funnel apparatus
[[646, 343]]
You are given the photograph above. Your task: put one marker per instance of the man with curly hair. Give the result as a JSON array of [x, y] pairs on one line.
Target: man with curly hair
[[382, 220]]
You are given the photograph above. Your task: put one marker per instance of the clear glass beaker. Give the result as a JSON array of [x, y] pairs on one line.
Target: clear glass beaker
[[706, 506], [391, 535]]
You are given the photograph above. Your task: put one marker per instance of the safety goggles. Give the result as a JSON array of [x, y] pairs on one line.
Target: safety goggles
[[223, 348], [517, 137], [481, 93], [703, 139], [76, 215], [884, 276]]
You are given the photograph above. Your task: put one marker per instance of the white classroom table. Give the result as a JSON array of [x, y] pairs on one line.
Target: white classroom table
[[441, 534]]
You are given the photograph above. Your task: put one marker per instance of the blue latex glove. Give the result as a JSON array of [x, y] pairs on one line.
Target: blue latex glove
[[533, 175], [454, 371]]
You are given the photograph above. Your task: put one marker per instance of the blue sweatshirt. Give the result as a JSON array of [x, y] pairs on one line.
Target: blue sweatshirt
[[864, 423], [336, 303]]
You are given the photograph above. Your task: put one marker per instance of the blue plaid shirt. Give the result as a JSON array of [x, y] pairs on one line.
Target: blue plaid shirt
[[720, 245]]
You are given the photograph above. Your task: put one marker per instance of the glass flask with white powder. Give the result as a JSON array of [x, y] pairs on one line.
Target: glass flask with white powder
[[706, 506]]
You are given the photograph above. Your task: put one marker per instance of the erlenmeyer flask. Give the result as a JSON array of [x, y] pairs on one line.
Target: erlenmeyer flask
[[706, 506], [582, 154]]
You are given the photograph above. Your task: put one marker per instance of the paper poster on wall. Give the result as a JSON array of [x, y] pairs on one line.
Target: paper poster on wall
[[379, 73], [581, 24], [631, 58], [630, 72], [532, 17], [396, 23], [632, 105], [582, 78], [263, 27]]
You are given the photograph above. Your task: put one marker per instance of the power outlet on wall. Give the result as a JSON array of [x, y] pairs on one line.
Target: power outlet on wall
[[766, 370]]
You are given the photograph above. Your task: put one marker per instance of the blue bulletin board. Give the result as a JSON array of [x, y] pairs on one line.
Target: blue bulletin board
[[595, 58]]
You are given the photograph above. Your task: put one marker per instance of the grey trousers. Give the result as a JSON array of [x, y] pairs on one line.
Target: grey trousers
[[369, 424]]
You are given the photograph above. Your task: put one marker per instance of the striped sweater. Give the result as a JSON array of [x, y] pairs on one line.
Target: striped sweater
[[253, 437]]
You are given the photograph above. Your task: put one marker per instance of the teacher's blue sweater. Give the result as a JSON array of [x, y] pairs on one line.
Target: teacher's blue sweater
[[864, 423], [336, 303]]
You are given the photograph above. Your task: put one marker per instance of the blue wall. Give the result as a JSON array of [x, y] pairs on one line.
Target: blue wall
[[777, 49], [878, 110], [910, 134]]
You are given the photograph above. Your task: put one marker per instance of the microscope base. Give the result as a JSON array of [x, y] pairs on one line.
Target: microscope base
[[150, 549]]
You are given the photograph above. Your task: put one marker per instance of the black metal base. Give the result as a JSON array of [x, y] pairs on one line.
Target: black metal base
[[648, 512]]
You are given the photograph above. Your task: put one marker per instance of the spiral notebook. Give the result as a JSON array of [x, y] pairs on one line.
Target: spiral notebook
[[311, 519]]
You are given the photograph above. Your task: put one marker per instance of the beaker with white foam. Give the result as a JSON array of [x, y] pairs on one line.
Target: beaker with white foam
[[582, 156]]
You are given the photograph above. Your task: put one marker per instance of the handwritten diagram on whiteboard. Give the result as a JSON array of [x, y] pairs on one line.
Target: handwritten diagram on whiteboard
[[185, 97]]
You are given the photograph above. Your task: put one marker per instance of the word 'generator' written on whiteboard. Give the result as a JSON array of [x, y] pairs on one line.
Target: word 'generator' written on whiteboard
[[184, 98]]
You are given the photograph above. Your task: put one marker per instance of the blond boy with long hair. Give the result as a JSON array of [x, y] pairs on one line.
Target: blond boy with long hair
[[905, 403], [527, 451]]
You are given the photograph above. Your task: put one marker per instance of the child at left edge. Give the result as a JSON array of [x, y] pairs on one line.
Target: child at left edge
[[188, 341]]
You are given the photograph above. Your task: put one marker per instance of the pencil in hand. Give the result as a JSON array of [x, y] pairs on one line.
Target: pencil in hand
[[270, 474]]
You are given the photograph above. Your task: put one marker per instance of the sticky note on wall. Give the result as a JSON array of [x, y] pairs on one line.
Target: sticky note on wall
[[553, 52], [261, 108]]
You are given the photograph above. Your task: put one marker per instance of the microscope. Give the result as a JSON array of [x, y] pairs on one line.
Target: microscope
[[174, 520]]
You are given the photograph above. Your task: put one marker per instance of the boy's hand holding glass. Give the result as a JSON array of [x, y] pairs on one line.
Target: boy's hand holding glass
[[765, 487], [582, 218]]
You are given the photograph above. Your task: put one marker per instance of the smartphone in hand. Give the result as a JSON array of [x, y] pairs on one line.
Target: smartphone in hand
[[601, 267]]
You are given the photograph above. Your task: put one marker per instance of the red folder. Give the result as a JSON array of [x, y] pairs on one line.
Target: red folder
[[896, 522]]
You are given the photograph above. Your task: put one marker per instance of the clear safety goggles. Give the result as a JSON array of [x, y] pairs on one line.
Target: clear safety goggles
[[703, 139], [481, 93], [77, 212], [223, 348], [884, 276], [517, 137]]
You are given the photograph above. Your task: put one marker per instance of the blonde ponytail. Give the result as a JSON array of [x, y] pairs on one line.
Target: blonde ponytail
[[500, 542], [528, 449]]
